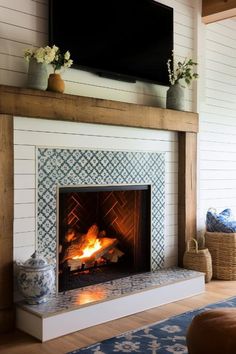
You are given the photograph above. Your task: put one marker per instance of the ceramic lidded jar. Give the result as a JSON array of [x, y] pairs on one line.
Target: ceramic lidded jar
[[35, 279]]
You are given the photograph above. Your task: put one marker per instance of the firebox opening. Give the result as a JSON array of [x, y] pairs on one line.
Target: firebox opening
[[103, 233]]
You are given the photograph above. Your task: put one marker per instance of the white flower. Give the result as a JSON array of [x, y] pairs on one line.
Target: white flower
[[49, 55], [67, 55], [171, 329], [127, 347]]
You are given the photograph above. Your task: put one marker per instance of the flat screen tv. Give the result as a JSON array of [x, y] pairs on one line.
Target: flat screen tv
[[123, 39]]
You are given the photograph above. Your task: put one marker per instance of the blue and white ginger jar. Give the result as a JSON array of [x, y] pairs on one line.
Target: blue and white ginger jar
[[36, 279]]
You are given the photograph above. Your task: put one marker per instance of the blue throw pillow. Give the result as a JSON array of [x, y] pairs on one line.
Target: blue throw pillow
[[222, 222]]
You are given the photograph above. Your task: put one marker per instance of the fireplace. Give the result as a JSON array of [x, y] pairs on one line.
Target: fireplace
[[104, 233]]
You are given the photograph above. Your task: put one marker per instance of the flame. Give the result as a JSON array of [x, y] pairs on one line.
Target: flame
[[89, 250]]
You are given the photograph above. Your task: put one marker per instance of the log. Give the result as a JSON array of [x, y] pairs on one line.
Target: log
[[81, 242], [113, 255], [106, 245]]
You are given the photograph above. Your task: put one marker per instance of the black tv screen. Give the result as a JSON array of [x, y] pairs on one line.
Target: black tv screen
[[122, 39]]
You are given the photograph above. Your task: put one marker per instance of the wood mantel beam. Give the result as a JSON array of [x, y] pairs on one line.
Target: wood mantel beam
[[18, 101], [217, 10]]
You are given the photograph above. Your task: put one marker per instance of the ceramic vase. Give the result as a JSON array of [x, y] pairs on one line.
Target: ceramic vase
[[37, 75], [175, 98], [36, 279], [55, 83]]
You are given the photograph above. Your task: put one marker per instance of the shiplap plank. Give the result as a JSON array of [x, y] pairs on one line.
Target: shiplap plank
[[220, 48], [23, 253], [24, 152], [217, 146], [24, 166], [42, 125], [10, 62], [27, 6], [220, 127], [60, 140], [217, 184], [23, 35], [24, 225], [12, 78], [24, 239], [220, 38], [24, 181], [24, 211], [22, 19], [24, 196]]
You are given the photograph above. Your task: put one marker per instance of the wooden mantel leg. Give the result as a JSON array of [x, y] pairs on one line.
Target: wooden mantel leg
[[187, 191], [6, 223]]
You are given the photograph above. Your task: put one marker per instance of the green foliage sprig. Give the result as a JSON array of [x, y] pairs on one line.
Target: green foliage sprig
[[184, 71]]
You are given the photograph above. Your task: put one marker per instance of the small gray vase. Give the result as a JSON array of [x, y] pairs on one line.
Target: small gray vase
[[175, 97], [37, 75]]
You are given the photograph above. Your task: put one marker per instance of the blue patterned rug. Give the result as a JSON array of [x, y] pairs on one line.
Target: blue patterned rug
[[165, 337]]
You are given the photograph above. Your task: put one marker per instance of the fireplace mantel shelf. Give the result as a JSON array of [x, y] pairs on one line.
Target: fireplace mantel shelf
[[17, 101]]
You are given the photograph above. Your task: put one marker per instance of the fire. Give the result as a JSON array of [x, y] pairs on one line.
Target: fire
[[89, 250]]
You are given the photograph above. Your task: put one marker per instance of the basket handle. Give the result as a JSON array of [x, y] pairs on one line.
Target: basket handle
[[202, 238], [195, 242], [212, 209]]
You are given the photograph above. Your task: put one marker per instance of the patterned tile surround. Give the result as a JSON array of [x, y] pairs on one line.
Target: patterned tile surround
[[92, 167], [88, 295]]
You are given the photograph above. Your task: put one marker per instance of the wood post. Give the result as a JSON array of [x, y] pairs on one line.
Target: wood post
[[6, 223], [187, 191]]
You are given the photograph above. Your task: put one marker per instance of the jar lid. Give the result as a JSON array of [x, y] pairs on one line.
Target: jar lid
[[36, 261]]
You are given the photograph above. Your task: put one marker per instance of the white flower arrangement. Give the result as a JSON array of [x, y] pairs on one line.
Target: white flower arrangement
[[49, 55], [181, 71]]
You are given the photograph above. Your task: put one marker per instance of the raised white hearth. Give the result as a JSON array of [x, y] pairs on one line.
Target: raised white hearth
[[92, 305]]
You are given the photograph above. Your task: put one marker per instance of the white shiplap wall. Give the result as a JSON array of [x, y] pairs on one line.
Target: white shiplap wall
[[24, 23], [217, 138], [30, 133]]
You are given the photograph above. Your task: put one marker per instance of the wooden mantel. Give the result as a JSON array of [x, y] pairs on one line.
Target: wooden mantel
[[15, 101]]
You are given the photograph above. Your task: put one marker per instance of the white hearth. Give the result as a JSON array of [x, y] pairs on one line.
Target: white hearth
[[93, 305]]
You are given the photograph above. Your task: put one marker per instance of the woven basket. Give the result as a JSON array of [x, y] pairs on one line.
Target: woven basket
[[222, 247], [198, 259]]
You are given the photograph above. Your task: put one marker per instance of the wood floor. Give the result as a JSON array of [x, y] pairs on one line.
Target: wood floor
[[20, 343]]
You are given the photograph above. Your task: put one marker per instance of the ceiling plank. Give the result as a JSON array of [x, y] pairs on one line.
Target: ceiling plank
[[217, 10]]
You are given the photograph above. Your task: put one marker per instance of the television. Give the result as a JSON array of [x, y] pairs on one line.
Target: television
[[122, 39]]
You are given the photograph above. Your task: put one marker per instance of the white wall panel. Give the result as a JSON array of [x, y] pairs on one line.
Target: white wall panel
[[217, 138], [24, 23]]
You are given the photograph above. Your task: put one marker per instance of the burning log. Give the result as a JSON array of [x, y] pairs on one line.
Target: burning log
[[88, 261], [85, 251], [81, 242]]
